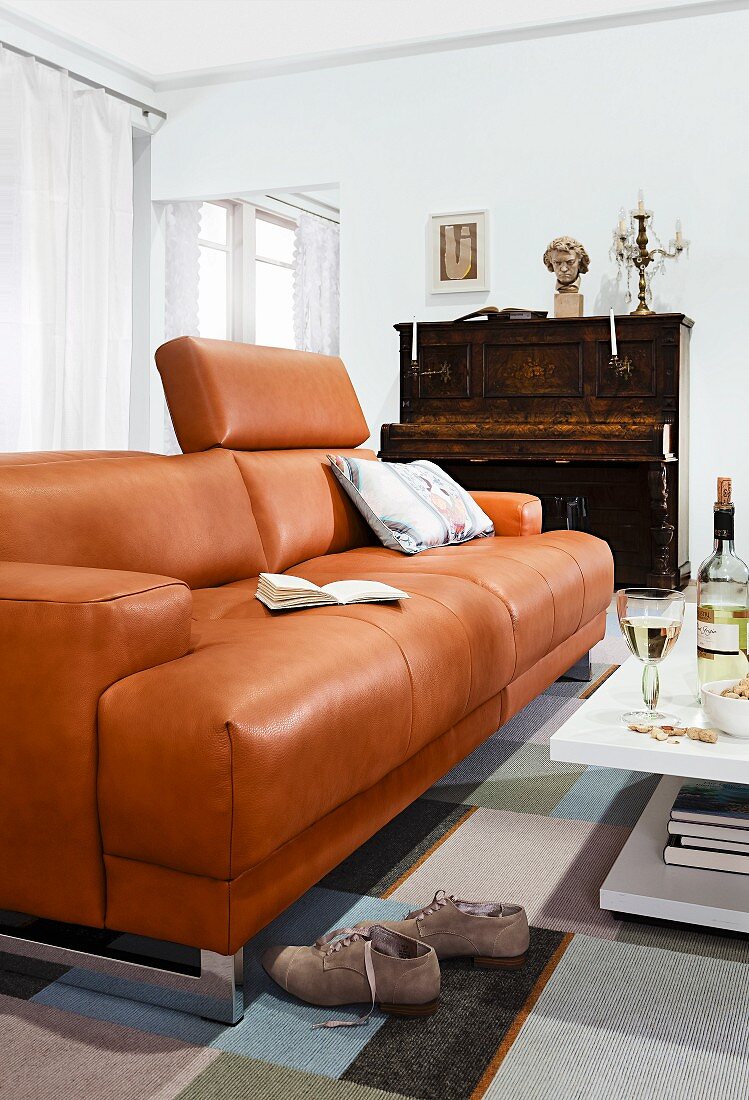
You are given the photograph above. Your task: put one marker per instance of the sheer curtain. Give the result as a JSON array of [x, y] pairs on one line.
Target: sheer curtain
[[181, 234], [316, 285], [66, 213]]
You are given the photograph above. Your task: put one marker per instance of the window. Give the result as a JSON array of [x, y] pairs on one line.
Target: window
[[246, 289], [214, 294], [274, 280]]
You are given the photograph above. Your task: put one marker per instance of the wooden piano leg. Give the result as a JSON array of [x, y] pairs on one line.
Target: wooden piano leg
[[662, 574]]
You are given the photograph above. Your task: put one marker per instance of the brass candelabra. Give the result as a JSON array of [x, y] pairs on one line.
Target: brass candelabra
[[630, 250]]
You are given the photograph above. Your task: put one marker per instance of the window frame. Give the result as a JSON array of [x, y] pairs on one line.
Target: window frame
[[284, 223], [242, 288], [227, 248], [242, 256]]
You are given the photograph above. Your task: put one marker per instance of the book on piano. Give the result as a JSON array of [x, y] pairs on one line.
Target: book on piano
[[511, 313]]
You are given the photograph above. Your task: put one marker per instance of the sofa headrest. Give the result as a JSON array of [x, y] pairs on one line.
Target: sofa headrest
[[252, 398]]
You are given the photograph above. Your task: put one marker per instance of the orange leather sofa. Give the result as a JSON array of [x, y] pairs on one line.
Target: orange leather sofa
[[176, 761]]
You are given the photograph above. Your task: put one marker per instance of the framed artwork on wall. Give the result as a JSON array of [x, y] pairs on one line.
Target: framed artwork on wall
[[457, 252]]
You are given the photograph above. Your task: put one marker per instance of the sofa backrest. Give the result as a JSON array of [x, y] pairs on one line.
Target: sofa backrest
[[299, 507], [184, 516], [280, 412]]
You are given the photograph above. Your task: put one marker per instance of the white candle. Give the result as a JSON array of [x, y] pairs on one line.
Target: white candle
[[613, 332], [414, 346], [640, 202], [622, 222], [678, 230]]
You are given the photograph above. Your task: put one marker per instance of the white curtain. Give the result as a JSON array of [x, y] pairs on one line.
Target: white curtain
[[66, 214], [316, 285], [182, 284]]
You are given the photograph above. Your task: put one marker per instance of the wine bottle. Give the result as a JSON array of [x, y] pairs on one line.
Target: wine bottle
[[722, 600]]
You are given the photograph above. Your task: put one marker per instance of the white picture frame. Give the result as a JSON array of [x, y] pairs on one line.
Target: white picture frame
[[458, 252]]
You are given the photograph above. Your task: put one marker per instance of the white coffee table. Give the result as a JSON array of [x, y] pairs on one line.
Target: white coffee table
[[640, 883]]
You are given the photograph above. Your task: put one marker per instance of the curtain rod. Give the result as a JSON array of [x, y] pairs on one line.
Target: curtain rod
[[304, 210], [144, 107]]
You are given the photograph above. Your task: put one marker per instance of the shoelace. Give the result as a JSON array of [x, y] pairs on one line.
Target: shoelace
[[440, 899], [338, 940]]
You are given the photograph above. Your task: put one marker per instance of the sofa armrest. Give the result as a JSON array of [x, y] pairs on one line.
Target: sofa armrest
[[511, 513], [66, 634]]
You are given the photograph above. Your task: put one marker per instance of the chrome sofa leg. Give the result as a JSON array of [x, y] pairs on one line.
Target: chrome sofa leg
[[222, 978], [581, 669], [202, 983]]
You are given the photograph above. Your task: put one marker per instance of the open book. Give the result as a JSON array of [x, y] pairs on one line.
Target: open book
[[279, 592]]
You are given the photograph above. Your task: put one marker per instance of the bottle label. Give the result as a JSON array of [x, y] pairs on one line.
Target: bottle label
[[720, 631], [723, 525]]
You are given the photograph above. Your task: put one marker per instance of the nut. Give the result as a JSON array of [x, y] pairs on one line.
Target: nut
[[740, 690], [696, 733], [658, 734]]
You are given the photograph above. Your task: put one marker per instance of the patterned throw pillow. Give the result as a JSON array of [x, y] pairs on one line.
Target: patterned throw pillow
[[411, 506]]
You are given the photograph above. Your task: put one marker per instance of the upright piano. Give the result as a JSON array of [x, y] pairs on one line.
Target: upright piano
[[536, 405]]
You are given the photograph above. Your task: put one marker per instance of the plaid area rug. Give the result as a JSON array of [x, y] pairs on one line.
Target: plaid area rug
[[602, 1009]]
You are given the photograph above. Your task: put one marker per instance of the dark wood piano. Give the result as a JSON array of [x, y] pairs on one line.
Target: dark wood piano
[[535, 406]]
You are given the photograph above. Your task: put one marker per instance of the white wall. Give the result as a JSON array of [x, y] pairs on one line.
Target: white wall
[[553, 136]]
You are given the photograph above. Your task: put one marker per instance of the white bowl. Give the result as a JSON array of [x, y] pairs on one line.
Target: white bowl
[[729, 715]]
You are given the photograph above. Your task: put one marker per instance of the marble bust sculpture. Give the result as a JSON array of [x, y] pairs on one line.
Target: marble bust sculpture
[[568, 259]]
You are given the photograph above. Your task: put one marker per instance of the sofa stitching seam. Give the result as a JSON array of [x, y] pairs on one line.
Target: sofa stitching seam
[[231, 829], [252, 510], [405, 661], [439, 603], [582, 576], [538, 573], [97, 799], [99, 600], [526, 504]]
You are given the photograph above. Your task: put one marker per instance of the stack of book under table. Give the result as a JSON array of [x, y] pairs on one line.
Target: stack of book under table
[[709, 827]]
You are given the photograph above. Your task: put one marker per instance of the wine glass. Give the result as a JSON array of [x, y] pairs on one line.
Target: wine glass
[[650, 620]]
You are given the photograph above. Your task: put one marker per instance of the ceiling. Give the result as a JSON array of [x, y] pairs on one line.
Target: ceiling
[[169, 43]]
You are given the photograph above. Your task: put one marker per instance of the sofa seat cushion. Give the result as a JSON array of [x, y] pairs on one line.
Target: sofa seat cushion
[[551, 584], [210, 763], [447, 625]]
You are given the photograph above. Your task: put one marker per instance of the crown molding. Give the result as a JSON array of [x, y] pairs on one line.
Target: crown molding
[[646, 14], [65, 47]]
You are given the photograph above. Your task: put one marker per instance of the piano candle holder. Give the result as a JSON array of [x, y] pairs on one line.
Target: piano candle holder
[[443, 371], [630, 250], [622, 368]]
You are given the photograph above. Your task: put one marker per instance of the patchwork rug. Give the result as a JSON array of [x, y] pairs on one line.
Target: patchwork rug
[[603, 1009]]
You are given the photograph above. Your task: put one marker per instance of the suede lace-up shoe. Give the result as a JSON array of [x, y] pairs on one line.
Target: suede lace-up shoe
[[492, 933], [368, 963]]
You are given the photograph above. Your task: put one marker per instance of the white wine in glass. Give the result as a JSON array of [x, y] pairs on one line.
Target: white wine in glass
[[650, 620]]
